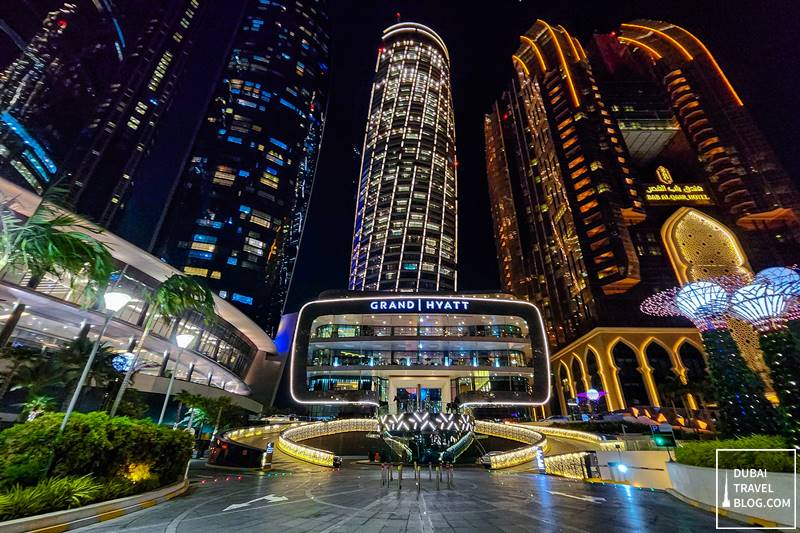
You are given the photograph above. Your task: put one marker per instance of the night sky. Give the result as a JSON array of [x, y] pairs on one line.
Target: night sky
[[754, 42]]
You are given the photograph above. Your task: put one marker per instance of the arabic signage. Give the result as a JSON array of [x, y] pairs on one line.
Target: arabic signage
[[677, 193]]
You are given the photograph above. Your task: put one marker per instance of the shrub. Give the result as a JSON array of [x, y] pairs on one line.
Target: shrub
[[48, 495], [94, 444], [703, 453]]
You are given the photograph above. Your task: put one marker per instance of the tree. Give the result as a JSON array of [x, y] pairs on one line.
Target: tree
[[36, 379], [72, 358], [16, 359], [743, 408], [133, 405], [176, 296], [36, 406], [51, 241], [671, 389]]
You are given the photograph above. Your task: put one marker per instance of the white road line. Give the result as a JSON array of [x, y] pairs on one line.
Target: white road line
[[593, 499]]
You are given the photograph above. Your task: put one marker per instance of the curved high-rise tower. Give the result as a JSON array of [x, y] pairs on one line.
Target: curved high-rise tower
[[404, 237]]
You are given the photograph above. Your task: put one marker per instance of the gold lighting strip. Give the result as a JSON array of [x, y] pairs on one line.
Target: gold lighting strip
[[563, 59], [575, 53], [716, 65], [536, 51], [526, 435], [634, 42], [684, 52], [580, 48], [522, 64], [289, 440]]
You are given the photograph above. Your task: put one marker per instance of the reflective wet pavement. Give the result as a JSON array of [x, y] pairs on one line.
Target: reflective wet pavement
[[304, 498]]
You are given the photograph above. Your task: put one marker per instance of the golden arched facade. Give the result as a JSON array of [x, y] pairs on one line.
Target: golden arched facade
[[701, 247]]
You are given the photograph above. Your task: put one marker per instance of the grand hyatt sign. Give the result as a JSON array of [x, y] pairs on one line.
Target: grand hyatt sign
[[419, 304]]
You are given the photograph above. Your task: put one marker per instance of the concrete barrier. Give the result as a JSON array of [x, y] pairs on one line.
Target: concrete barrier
[[90, 514], [698, 485]]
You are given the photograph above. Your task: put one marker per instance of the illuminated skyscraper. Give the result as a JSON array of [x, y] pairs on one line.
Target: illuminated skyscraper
[[748, 180], [404, 237], [573, 190], [49, 89], [104, 168], [613, 175], [240, 204]]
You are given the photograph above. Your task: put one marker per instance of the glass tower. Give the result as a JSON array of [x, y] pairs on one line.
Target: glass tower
[[239, 206], [404, 238]]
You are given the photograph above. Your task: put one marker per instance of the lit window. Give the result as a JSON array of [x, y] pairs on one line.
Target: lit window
[[203, 246], [236, 297], [194, 271]]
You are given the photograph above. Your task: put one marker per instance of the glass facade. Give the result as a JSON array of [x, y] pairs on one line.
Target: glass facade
[[104, 168], [240, 205], [404, 237]]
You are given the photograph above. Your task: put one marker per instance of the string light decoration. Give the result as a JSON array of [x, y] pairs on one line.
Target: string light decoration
[[744, 410], [768, 304]]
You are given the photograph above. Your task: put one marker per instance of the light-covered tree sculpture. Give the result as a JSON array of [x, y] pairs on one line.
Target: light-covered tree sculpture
[[768, 303], [744, 410]]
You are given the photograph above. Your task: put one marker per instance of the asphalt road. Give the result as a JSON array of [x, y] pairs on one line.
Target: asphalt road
[[303, 498]]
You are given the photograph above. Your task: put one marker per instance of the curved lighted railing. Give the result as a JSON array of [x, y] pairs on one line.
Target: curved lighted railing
[[515, 432], [289, 441], [580, 436]]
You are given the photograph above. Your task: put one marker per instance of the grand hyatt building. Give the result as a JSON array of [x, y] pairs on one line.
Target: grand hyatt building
[[355, 352]]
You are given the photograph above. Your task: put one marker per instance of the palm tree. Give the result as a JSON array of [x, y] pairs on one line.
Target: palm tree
[[16, 359], [671, 389], [36, 379], [51, 241], [72, 358], [35, 406], [176, 296]]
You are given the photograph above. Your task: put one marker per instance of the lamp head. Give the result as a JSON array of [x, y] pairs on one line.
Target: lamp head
[[781, 279], [764, 306], [184, 339], [115, 300], [702, 301]]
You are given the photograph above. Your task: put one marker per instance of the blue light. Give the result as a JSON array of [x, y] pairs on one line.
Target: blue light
[[232, 261], [235, 140], [622, 468], [40, 152], [278, 143], [199, 237], [236, 297], [197, 254], [245, 209]]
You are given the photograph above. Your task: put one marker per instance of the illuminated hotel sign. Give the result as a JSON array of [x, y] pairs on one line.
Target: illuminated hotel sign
[[419, 304], [667, 192], [677, 193]]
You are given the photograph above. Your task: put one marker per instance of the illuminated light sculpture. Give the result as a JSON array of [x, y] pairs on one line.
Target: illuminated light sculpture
[[744, 410], [767, 304]]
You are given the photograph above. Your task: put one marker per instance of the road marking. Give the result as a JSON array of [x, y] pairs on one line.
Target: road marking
[[593, 499], [269, 497]]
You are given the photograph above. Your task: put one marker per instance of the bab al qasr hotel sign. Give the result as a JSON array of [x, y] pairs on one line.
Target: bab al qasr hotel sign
[[668, 193]]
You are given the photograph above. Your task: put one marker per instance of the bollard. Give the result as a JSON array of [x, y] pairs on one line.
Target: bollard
[[383, 475], [415, 470], [430, 471], [390, 467], [438, 476], [400, 477], [450, 476]]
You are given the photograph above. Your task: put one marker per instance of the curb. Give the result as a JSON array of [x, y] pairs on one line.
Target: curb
[[58, 521], [745, 519]]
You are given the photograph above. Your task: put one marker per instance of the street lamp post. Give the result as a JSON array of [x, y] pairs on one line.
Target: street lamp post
[[114, 302], [183, 341]]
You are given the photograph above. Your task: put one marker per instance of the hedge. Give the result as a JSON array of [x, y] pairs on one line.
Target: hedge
[[703, 453], [93, 444]]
